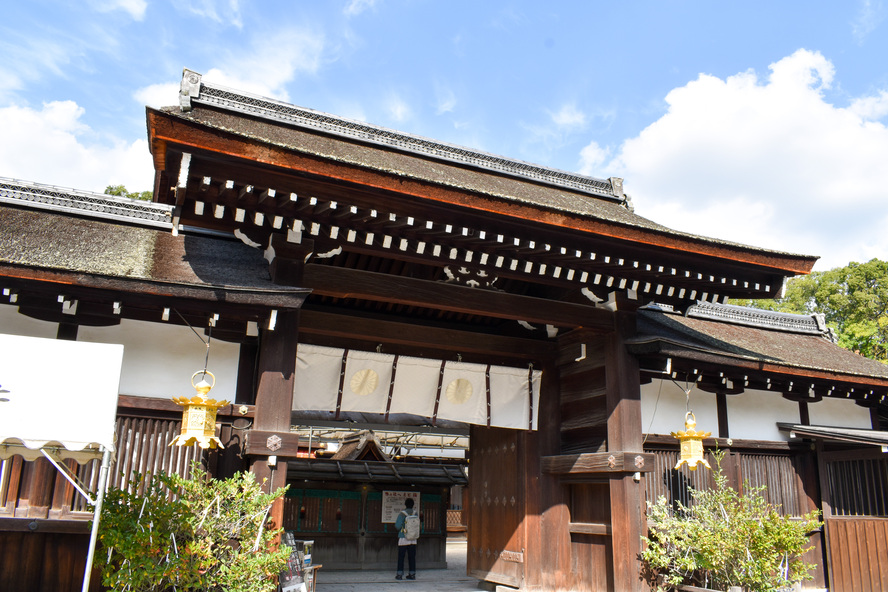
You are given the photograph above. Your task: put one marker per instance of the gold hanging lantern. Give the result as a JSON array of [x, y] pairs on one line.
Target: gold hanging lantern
[[199, 415], [691, 444]]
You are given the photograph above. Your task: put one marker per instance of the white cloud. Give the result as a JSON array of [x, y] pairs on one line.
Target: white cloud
[[869, 16], [569, 116], [77, 157], [445, 99], [768, 163], [135, 8], [397, 108], [225, 13], [164, 94], [591, 159], [356, 7], [271, 62], [875, 107]]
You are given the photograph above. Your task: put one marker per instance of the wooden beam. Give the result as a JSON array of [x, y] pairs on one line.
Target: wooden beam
[[326, 280], [264, 443], [592, 528], [598, 462], [70, 526], [84, 283], [465, 342]]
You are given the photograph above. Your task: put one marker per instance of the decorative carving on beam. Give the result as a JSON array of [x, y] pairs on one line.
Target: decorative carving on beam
[[342, 283], [469, 276], [264, 443]]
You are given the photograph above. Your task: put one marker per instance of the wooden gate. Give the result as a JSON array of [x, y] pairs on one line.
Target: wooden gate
[[496, 507], [856, 518]]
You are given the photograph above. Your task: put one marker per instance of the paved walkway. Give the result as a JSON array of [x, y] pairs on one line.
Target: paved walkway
[[452, 579]]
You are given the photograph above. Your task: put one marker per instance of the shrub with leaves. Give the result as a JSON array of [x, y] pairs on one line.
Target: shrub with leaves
[[198, 533], [726, 539]]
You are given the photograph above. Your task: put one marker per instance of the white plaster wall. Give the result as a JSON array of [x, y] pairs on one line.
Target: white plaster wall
[[13, 323], [664, 405], [159, 359], [839, 413], [753, 415]]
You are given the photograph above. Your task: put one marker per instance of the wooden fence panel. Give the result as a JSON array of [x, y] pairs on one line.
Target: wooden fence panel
[[858, 551], [44, 562], [53, 558]]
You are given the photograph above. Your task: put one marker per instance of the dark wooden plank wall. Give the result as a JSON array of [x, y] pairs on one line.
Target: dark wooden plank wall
[[583, 402], [786, 477], [856, 508], [496, 542], [44, 562], [591, 549]]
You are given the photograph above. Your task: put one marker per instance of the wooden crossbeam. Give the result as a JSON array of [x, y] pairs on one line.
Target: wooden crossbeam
[[344, 283]]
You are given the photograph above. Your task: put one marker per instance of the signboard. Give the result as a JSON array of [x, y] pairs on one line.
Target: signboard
[[58, 393], [393, 503]]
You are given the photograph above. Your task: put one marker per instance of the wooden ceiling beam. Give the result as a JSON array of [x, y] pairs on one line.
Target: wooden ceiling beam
[[422, 338], [343, 283]]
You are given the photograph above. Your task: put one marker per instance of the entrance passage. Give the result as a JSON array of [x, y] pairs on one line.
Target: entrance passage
[[347, 528], [451, 579]]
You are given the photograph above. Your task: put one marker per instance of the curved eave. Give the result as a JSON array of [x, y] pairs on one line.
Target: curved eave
[[168, 131], [668, 348], [284, 298]]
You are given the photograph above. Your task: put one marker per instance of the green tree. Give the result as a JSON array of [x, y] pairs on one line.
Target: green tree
[[121, 191], [725, 539], [853, 299], [197, 533]]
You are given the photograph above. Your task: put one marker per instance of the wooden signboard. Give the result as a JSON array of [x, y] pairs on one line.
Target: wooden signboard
[[393, 503]]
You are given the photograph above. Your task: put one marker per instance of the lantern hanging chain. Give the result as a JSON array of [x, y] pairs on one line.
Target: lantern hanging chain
[[206, 343], [687, 391]]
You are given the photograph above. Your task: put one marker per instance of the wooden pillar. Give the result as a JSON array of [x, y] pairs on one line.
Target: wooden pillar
[[274, 397], [548, 539], [624, 434]]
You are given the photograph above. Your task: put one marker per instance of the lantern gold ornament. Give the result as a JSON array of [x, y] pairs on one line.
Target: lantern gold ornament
[[691, 444], [199, 415]]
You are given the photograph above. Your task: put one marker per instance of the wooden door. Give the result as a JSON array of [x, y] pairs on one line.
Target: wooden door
[[856, 520], [496, 542]]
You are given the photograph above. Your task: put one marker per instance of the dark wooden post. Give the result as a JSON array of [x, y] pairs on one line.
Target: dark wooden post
[[624, 434], [274, 397], [548, 539]]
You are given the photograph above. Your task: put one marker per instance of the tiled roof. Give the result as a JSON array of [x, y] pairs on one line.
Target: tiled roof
[[776, 339], [195, 91], [396, 153], [58, 241]]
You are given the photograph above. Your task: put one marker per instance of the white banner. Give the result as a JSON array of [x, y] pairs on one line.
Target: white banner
[[464, 393], [317, 378], [367, 382], [368, 377]]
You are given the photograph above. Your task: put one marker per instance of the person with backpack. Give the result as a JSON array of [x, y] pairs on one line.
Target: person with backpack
[[408, 526]]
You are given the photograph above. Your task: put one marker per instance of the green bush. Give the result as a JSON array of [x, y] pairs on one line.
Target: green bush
[[197, 533], [726, 539]]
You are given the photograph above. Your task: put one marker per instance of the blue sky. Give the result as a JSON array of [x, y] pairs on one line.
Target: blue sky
[[757, 122]]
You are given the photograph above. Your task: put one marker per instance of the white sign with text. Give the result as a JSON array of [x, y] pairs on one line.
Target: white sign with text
[[393, 503]]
